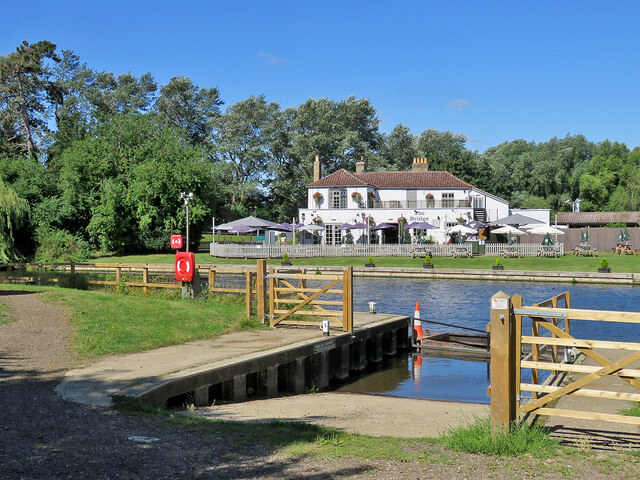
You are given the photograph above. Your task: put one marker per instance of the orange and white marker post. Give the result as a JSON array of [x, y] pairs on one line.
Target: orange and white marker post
[[417, 324]]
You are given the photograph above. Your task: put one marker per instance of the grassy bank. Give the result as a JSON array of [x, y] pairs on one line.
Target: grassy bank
[[566, 263], [107, 323]]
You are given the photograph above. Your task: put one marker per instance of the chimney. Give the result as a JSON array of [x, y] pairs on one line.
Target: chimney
[[420, 164], [361, 165], [316, 169]]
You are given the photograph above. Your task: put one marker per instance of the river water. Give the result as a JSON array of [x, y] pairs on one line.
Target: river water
[[466, 303]]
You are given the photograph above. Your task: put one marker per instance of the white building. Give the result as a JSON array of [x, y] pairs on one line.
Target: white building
[[419, 195]]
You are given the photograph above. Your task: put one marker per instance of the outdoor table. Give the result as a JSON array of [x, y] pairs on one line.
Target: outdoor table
[[461, 252], [584, 250], [624, 248], [511, 251], [549, 251]]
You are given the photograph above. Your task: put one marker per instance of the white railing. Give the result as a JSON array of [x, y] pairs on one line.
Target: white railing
[[309, 251], [522, 249]]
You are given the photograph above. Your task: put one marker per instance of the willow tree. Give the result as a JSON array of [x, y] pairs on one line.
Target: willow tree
[[13, 211]]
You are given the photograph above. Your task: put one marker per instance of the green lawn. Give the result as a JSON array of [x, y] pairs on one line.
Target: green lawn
[[567, 263], [106, 323]]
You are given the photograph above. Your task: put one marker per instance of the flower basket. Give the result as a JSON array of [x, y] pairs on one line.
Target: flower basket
[[317, 220], [357, 197]]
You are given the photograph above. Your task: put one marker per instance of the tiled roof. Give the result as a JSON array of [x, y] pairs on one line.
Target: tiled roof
[[434, 179], [597, 218]]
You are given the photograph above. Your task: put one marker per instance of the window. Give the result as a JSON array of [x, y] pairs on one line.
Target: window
[[338, 198], [333, 236], [447, 200]]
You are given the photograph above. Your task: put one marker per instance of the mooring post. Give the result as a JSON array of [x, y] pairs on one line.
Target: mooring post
[[503, 362]]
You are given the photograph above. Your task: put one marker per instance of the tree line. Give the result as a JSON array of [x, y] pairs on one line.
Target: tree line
[[91, 160]]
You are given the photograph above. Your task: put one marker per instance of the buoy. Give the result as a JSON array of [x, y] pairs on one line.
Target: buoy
[[417, 324]]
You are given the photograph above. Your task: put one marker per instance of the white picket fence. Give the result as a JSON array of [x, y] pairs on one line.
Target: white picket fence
[[521, 249], [310, 251]]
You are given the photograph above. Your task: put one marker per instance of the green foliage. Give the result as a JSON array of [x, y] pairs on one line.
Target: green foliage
[[60, 246], [498, 262], [427, 260], [633, 411], [604, 263], [13, 212], [370, 259], [478, 437], [285, 257]]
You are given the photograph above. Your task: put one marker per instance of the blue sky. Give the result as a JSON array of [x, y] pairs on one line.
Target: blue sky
[[492, 70]]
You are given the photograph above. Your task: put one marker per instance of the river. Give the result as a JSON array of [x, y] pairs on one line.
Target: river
[[466, 303]]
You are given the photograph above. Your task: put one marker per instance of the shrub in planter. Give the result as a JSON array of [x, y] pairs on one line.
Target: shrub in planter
[[498, 264], [285, 259], [370, 262], [604, 266], [427, 262]]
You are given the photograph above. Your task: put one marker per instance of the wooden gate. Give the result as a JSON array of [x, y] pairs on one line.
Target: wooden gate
[[290, 298], [507, 361]]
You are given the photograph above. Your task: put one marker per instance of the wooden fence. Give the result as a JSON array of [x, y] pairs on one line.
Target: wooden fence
[[507, 364], [282, 291]]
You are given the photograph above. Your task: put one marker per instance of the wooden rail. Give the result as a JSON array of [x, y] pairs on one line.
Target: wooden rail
[[507, 365]]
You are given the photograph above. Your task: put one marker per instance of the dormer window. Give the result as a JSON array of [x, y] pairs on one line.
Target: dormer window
[[338, 198]]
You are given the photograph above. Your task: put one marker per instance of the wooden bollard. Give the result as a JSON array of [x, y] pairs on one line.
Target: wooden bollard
[[503, 364]]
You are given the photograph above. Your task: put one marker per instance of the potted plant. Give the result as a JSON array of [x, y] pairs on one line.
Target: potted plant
[[370, 262], [357, 197], [427, 262], [285, 260], [498, 264], [317, 197], [604, 266], [430, 200]]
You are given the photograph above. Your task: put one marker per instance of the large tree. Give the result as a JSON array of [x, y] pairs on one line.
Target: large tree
[[13, 211], [25, 94]]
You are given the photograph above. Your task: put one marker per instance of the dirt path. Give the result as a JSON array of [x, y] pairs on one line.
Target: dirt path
[[43, 436]]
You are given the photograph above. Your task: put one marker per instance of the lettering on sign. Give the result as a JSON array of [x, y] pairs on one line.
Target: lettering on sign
[[324, 346], [499, 303]]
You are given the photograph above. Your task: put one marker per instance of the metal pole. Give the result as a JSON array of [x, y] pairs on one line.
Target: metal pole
[[187, 226]]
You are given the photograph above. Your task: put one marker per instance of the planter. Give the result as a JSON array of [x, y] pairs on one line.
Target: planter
[[369, 264], [285, 264], [498, 267], [604, 270], [427, 265]]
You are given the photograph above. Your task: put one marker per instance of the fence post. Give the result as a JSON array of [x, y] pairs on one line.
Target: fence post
[[145, 278], [503, 356], [261, 289], [347, 300], [247, 295], [272, 297], [212, 280], [118, 276]]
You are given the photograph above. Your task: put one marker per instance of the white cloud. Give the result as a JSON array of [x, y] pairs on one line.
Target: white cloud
[[460, 104], [272, 60]]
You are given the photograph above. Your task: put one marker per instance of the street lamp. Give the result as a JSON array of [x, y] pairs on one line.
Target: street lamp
[[187, 197]]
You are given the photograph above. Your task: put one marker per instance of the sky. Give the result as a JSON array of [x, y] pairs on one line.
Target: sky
[[494, 71]]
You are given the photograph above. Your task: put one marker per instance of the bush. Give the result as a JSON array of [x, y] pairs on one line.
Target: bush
[[427, 260], [370, 259], [604, 263], [285, 257], [498, 262], [60, 246]]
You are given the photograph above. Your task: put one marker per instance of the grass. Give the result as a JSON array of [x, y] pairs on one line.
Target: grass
[[108, 323], [634, 411], [566, 263], [477, 437], [3, 314]]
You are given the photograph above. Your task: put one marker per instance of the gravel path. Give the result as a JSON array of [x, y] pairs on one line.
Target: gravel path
[[43, 436]]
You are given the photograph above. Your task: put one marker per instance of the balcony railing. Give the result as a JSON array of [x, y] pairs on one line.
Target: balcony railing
[[421, 204]]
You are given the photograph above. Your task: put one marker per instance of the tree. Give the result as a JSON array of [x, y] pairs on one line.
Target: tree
[[190, 108], [25, 90], [447, 151], [398, 150], [13, 211]]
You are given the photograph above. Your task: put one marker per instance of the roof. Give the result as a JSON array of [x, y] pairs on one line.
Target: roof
[[409, 179], [597, 218]]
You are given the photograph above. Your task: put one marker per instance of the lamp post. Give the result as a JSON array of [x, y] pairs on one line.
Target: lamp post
[[187, 197]]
